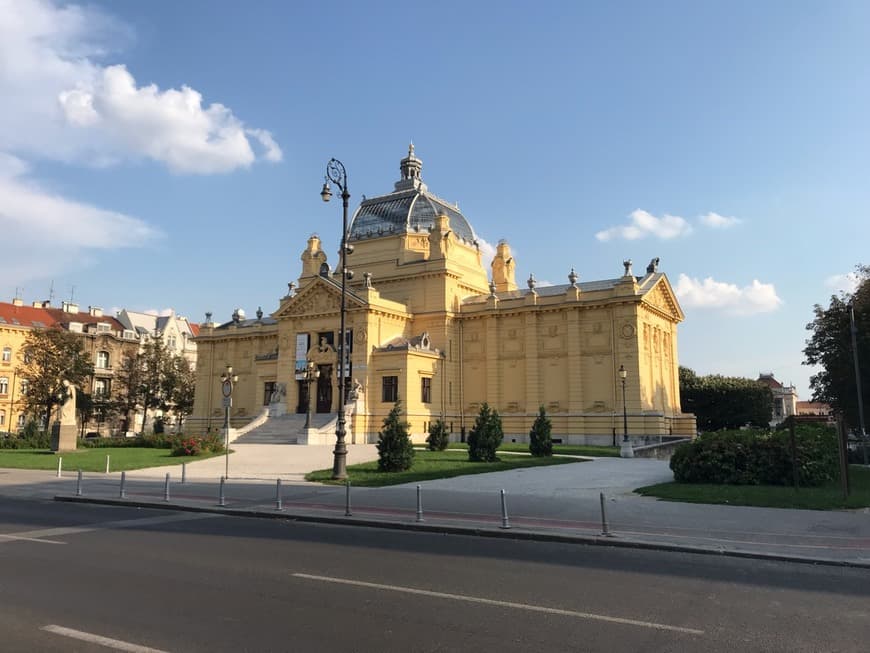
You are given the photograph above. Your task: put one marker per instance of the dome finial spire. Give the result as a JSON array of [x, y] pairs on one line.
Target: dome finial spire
[[410, 167]]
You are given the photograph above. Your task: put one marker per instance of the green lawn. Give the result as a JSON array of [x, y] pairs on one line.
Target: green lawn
[[563, 449], [826, 497], [430, 465], [94, 460]]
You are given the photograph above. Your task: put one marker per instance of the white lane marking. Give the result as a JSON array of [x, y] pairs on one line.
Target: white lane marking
[[13, 538], [503, 604], [108, 642], [60, 531]]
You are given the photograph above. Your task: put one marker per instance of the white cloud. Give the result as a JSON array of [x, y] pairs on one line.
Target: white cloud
[[716, 221], [487, 251], [162, 313], [755, 298], [843, 283], [60, 102], [62, 231], [643, 224]]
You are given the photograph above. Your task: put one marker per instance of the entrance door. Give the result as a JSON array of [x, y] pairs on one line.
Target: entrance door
[[302, 406], [324, 389]]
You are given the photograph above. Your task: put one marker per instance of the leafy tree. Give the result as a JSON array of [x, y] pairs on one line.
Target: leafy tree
[[439, 436], [540, 442], [725, 402], [52, 356], [395, 451], [486, 436], [155, 379], [178, 386], [830, 347]]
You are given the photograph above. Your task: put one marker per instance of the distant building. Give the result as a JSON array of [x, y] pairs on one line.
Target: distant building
[[784, 398], [815, 411], [428, 326], [106, 341], [176, 332]]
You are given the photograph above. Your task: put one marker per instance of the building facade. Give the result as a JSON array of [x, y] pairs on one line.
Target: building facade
[[106, 341], [784, 398], [427, 326]]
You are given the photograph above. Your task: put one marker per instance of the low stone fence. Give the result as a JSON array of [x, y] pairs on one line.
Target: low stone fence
[[660, 450]]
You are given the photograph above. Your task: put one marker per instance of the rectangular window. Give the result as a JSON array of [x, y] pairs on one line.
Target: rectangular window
[[390, 389], [426, 390], [101, 387], [450, 392], [2, 417], [7, 354], [4, 386], [102, 360], [268, 389]]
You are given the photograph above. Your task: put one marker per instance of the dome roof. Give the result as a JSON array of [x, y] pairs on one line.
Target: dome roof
[[409, 208]]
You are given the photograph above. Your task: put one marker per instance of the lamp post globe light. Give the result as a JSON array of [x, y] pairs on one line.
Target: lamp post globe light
[[337, 175], [310, 374], [625, 450], [228, 382]]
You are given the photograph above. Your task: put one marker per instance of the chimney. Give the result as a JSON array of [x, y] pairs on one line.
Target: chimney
[[95, 311], [17, 301], [69, 307], [43, 304]]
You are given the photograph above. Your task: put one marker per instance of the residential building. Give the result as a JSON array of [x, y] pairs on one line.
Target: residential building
[[784, 398], [427, 326]]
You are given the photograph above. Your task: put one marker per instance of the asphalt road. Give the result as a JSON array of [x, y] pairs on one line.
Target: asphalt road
[[158, 580]]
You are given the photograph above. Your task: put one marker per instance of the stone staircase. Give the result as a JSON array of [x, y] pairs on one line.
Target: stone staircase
[[287, 429]]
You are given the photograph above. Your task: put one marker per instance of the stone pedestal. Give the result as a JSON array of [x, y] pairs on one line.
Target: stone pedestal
[[626, 450], [63, 437]]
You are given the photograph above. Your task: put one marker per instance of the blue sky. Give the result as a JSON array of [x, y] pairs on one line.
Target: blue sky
[[170, 154]]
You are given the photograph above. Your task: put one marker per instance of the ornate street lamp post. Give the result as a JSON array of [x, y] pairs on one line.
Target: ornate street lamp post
[[228, 381], [854, 331], [336, 174], [310, 374], [626, 450]]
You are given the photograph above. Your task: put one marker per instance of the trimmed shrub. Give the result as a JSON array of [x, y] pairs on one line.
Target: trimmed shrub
[[439, 436], [486, 436], [36, 441], [540, 442], [757, 458], [395, 451], [187, 447]]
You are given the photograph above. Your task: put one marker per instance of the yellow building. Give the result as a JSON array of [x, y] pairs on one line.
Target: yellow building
[[427, 326]]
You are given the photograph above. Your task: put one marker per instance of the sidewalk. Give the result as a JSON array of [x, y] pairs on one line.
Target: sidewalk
[[560, 502]]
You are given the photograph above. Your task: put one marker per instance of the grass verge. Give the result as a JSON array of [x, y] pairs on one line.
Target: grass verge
[[558, 449], [429, 465], [94, 460], [825, 497]]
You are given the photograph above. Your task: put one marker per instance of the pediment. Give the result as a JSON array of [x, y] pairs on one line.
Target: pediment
[[661, 297], [320, 297]]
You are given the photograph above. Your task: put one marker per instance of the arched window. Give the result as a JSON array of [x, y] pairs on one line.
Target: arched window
[[2, 418], [7, 354], [25, 387], [102, 360], [4, 385]]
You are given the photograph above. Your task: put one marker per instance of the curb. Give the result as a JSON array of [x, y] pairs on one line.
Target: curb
[[505, 534]]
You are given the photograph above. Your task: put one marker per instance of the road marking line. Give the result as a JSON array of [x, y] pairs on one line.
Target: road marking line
[[13, 538], [108, 642], [126, 523], [503, 604]]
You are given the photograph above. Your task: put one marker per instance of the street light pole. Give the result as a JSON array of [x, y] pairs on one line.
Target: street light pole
[[854, 330], [626, 450], [336, 174], [228, 380]]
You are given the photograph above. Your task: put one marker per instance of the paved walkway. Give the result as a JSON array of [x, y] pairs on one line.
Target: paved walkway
[[555, 502]]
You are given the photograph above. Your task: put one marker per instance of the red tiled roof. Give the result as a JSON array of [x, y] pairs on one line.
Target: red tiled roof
[[25, 316], [194, 329], [64, 318]]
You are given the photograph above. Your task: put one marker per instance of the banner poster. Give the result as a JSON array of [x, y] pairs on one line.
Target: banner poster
[[301, 354]]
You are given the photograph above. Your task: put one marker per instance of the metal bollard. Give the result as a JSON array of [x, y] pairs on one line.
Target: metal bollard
[[107, 464], [504, 516], [79, 484], [605, 531], [221, 498], [419, 505], [347, 512], [278, 505], [166, 488], [123, 493], [184, 472], [59, 465]]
